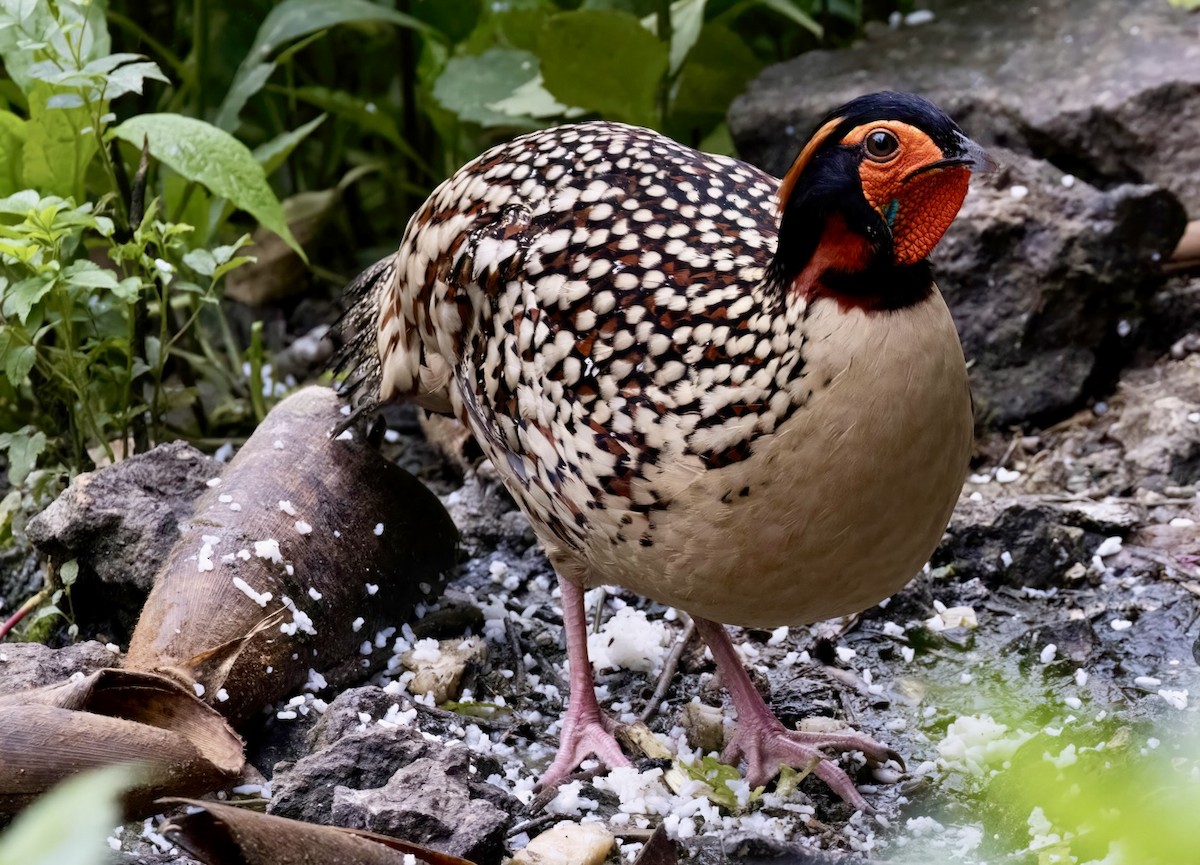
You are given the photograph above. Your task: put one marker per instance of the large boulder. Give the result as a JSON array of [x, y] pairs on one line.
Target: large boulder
[[1093, 107]]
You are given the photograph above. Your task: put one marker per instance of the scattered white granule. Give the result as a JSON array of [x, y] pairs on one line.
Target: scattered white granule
[[303, 527], [630, 641], [113, 647], [268, 549], [346, 436], [316, 682], [287, 507], [1109, 547], [976, 743], [372, 588], [212, 482], [224, 498], [198, 688], [314, 594], [1175, 699], [222, 695], [1018, 192], [1005, 476], [1048, 653], [300, 620], [235, 507], [378, 529], [1120, 624], [357, 624], [244, 588], [277, 444]]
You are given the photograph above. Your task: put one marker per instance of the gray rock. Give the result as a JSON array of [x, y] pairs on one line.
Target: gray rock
[[363, 759], [1043, 537], [1161, 442], [24, 666], [434, 801], [1106, 89], [1048, 289], [120, 522], [1045, 286]]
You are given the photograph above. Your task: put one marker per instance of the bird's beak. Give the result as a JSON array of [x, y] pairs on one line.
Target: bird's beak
[[974, 156], [970, 156]]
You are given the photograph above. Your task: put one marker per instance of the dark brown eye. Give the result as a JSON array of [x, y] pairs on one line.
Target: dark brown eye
[[882, 145]]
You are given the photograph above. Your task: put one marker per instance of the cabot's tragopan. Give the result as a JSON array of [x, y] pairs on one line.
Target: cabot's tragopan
[[738, 396]]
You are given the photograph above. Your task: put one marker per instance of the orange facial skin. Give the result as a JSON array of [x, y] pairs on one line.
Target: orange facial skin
[[927, 197]]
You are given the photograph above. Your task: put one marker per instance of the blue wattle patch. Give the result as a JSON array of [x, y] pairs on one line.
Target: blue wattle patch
[[889, 212]]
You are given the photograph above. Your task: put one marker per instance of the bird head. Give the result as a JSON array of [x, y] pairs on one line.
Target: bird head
[[869, 197]]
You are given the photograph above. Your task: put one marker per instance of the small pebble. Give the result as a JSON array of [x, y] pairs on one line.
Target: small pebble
[[1018, 192], [1120, 624]]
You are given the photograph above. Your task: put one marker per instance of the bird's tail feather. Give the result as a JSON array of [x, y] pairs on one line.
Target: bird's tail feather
[[355, 336]]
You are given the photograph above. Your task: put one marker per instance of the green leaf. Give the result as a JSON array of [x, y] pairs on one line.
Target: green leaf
[[275, 152], [69, 572], [12, 143], [213, 158], [23, 447], [18, 361], [687, 19], [88, 274], [361, 112], [20, 297], [718, 70], [532, 99], [69, 824], [603, 61], [468, 84], [56, 153], [289, 20], [1190, 5], [789, 10]]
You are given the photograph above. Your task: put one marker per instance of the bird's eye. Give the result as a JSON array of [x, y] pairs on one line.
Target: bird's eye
[[882, 145]]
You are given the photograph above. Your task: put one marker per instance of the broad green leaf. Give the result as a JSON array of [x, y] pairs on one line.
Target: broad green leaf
[[1190, 5], [213, 158], [20, 297], [718, 70], [56, 154], [18, 361], [12, 142], [69, 572], [23, 448], [687, 18], [788, 9], [606, 62], [88, 274], [275, 152], [532, 99], [468, 84], [68, 825], [453, 20], [289, 20]]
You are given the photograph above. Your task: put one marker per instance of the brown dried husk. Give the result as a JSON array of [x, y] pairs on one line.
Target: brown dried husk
[[226, 835], [114, 716], [197, 626]]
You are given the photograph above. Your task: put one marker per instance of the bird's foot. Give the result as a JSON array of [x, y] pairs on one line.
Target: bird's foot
[[586, 733], [766, 746]]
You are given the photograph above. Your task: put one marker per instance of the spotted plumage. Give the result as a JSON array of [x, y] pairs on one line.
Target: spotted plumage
[[742, 398]]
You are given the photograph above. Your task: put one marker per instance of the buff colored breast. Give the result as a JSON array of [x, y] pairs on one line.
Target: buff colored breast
[[837, 509]]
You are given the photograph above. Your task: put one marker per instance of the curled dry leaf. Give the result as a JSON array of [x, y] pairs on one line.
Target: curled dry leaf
[[114, 716], [219, 834], [302, 535]]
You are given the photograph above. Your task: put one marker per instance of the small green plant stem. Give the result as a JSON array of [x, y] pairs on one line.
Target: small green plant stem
[[256, 369], [663, 17], [78, 383], [24, 610]]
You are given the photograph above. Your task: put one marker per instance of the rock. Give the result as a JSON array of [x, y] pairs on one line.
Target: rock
[[567, 844], [435, 801], [1046, 275], [31, 665], [1023, 541], [438, 667], [361, 760], [1106, 89], [1159, 426], [120, 522]]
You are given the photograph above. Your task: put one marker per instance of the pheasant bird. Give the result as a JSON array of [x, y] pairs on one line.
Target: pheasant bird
[[738, 396]]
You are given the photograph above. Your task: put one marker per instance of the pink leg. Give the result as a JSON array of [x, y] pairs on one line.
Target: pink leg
[[766, 744], [586, 730]]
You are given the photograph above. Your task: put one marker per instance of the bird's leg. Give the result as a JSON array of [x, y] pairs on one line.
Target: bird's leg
[[763, 741], [585, 729]]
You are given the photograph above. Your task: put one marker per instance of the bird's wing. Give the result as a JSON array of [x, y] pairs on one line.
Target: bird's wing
[[592, 290]]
